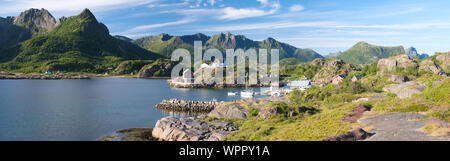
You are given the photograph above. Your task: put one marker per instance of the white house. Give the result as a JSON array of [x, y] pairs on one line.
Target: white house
[[300, 84]]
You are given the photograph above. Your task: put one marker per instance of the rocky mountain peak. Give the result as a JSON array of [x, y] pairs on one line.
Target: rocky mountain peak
[[411, 52], [84, 24], [362, 43], [228, 34], [270, 41], [164, 36], [87, 14], [36, 20], [227, 40]]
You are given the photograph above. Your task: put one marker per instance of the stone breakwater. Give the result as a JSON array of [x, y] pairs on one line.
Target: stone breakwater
[[187, 106], [191, 129], [27, 76]]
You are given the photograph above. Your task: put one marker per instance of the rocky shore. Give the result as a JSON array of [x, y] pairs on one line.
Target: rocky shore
[[45, 77], [191, 129], [132, 134], [187, 106]]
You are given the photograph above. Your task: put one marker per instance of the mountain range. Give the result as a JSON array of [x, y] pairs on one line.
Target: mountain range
[[35, 42], [165, 44], [77, 43]]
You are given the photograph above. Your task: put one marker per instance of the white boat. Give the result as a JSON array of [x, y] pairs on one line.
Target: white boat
[[275, 93], [247, 93], [232, 93]]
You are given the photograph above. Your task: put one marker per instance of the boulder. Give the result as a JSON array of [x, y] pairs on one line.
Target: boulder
[[428, 66], [318, 62], [444, 60], [399, 61], [405, 90], [229, 111], [375, 97], [329, 69], [267, 113], [354, 135], [397, 78], [191, 129]]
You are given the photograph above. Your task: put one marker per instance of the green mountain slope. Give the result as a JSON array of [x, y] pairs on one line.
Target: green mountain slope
[[78, 44], [364, 53], [165, 44]]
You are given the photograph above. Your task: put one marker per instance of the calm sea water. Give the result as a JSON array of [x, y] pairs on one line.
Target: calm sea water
[[86, 109]]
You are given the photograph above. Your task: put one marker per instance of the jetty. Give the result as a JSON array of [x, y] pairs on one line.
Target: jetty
[[187, 106]]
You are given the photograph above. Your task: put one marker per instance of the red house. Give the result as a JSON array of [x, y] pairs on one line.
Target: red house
[[337, 79]]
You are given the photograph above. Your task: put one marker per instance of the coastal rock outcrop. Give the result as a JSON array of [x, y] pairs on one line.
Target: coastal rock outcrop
[[156, 70], [397, 78], [190, 129], [329, 69], [229, 111], [430, 67], [444, 60], [267, 113], [318, 62], [405, 90], [390, 64]]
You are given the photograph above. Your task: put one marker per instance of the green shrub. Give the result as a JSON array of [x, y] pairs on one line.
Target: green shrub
[[439, 94], [413, 108], [253, 112], [281, 107], [443, 115]]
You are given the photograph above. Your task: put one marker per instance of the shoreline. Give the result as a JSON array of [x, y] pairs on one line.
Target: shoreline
[[194, 128], [36, 76]]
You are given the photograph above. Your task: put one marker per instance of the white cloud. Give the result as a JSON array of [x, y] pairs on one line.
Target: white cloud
[[151, 26], [440, 25], [68, 6], [227, 13], [363, 29], [396, 13], [269, 25], [322, 42], [231, 13], [211, 2], [154, 5], [296, 7]]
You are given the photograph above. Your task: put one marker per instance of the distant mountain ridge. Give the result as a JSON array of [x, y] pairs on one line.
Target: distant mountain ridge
[[165, 44], [364, 53], [412, 52]]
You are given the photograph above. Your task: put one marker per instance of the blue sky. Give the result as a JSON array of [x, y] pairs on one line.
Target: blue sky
[[325, 26]]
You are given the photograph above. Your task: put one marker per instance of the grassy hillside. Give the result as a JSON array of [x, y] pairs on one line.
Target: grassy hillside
[[364, 53], [78, 44]]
